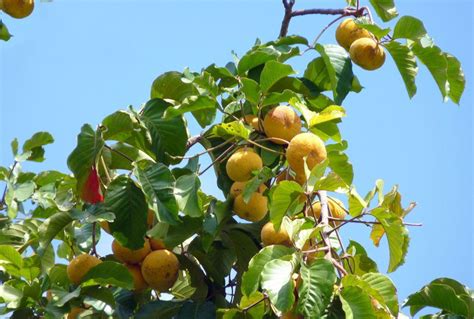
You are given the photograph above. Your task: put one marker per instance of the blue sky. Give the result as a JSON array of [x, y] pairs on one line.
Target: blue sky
[[74, 62]]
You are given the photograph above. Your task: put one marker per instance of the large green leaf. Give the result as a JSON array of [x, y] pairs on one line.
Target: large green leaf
[[285, 199], [168, 136], [385, 9], [35, 145], [226, 130], [197, 310], [365, 23], [158, 185], [10, 260], [340, 164], [51, 227], [317, 72], [109, 273], [272, 72], [170, 85], [436, 62], [186, 193], [408, 27], [277, 282], [339, 68], [251, 278], [159, 309], [127, 202], [406, 64], [203, 108], [356, 303], [456, 78], [256, 57], [360, 263], [397, 236], [316, 288], [445, 294], [84, 156]]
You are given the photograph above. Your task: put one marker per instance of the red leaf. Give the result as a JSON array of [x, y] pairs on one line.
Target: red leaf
[[91, 191]]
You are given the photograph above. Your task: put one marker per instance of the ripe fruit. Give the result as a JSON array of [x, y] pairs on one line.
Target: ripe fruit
[[335, 206], [79, 266], [160, 269], [348, 32], [105, 226], [254, 210], [253, 121], [270, 236], [238, 187], [157, 244], [367, 53], [290, 315], [242, 163], [139, 283], [305, 145], [75, 312], [283, 123], [18, 8], [130, 256]]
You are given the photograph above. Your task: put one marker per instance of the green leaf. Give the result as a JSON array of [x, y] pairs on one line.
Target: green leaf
[[185, 229], [23, 191], [356, 203], [251, 90], [14, 146], [255, 58], [9, 258], [159, 309], [195, 310], [360, 263], [168, 136], [442, 294], [285, 199], [340, 164], [377, 31], [385, 287], [251, 278], [118, 159], [203, 108], [278, 283], [330, 113], [84, 156], [170, 85], [4, 33], [127, 202], [35, 145], [51, 227], [272, 72], [356, 303], [339, 68], [225, 130], [316, 289], [385, 9], [258, 310], [406, 64], [186, 193], [254, 183], [437, 64], [109, 273], [397, 236], [158, 185], [408, 27], [317, 72], [456, 79]]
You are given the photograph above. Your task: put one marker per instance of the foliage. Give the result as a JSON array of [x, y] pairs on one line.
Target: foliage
[[146, 186]]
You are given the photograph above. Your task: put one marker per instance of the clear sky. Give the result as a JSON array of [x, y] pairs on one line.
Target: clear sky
[[74, 62]]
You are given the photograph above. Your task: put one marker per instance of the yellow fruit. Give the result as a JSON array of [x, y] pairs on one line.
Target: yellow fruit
[[367, 53], [312, 256], [282, 123], [305, 145], [139, 283], [18, 8], [270, 236], [160, 269], [105, 226], [335, 206], [300, 178], [284, 176], [79, 266], [75, 312], [253, 121], [242, 163], [291, 315], [254, 210], [348, 32], [238, 187], [157, 244], [130, 256]]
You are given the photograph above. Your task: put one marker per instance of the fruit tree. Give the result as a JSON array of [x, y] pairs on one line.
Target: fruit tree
[[271, 246]]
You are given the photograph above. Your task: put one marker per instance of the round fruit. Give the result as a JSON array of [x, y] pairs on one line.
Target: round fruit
[[291, 315], [271, 236], [238, 187], [284, 176], [305, 145], [335, 206], [139, 284], [157, 244], [75, 312], [130, 256], [253, 121], [254, 210], [105, 226], [367, 53], [79, 266], [160, 269], [348, 32], [282, 123], [242, 163], [18, 8]]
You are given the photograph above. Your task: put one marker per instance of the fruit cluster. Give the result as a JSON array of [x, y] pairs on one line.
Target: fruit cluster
[[18, 9]]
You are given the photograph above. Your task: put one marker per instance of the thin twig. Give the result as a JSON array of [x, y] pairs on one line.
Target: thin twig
[[218, 159], [94, 250], [119, 153], [254, 304], [193, 140], [324, 30], [264, 147], [206, 151]]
